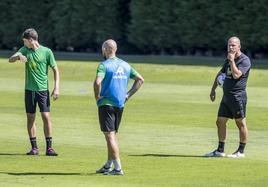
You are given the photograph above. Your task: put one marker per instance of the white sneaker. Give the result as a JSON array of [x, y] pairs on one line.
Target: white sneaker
[[215, 154], [114, 172], [103, 170], [236, 155]]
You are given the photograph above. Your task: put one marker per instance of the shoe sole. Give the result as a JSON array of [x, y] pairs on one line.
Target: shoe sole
[[102, 172], [51, 155], [109, 173], [32, 154], [216, 156], [112, 174], [230, 156]]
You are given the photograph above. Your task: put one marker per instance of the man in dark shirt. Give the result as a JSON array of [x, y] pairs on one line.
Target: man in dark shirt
[[234, 100]]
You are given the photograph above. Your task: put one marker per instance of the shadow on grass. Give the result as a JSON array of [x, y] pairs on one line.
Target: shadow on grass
[[12, 154], [46, 173], [20, 154], [167, 155]]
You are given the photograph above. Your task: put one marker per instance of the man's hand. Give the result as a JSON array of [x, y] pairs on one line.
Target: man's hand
[[97, 88], [127, 97], [231, 56], [55, 94], [22, 58], [212, 95], [17, 56], [98, 98]]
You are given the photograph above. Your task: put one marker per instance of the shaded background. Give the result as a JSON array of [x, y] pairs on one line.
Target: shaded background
[[175, 27]]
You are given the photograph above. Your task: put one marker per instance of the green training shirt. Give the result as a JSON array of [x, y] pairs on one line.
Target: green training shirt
[[36, 67]]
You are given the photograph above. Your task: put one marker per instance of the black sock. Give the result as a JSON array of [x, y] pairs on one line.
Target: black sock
[[49, 142], [33, 142], [241, 147], [221, 147]]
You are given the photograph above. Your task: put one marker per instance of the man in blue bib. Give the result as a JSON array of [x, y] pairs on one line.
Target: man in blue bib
[[110, 88]]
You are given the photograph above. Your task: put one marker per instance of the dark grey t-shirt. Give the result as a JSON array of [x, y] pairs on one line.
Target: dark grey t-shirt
[[236, 88]]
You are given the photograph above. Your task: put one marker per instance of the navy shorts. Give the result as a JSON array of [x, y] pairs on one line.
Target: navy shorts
[[32, 98], [110, 118], [231, 108]]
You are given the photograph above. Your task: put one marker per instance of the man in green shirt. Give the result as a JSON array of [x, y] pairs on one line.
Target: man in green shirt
[[37, 58]]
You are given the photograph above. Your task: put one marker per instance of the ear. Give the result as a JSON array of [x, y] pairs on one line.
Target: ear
[[31, 40]]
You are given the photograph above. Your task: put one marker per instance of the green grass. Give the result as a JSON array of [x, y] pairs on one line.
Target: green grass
[[165, 129]]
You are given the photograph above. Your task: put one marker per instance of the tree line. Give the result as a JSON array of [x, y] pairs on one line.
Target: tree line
[[184, 27]]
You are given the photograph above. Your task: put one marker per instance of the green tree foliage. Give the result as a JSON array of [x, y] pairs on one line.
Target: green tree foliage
[[85, 25], [189, 26], [150, 25], [21, 14], [139, 26], [6, 37]]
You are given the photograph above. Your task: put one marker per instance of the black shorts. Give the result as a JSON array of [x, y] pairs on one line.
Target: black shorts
[[110, 118], [231, 108], [31, 98]]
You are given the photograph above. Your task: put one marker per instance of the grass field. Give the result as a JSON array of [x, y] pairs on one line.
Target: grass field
[[166, 128]]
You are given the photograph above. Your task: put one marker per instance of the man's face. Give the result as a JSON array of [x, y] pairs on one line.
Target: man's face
[[27, 42], [233, 46]]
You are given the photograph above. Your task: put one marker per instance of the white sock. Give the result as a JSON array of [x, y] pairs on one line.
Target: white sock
[[117, 164], [108, 164]]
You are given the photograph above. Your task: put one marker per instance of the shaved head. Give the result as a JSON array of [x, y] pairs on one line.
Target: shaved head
[[234, 39], [109, 48]]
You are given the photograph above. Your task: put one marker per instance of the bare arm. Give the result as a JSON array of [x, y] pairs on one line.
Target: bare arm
[[136, 85], [56, 91], [236, 73], [97, 87], [17, 56], [214, 86]]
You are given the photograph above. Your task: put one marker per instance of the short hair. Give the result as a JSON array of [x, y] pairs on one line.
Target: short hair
[[30, 33], [110, 45], [235, 38]]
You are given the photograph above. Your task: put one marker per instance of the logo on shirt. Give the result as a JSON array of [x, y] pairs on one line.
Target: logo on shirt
[[229, 72], [120, 73], [33, 65]]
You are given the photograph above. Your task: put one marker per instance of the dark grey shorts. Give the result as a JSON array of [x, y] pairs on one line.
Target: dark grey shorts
[[32, 98], [231, 108], [110, 118]]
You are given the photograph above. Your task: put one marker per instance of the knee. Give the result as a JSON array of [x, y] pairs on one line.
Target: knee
[[241, 125], [30, 117], [218, 123], [110, 137], [45, 116]]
